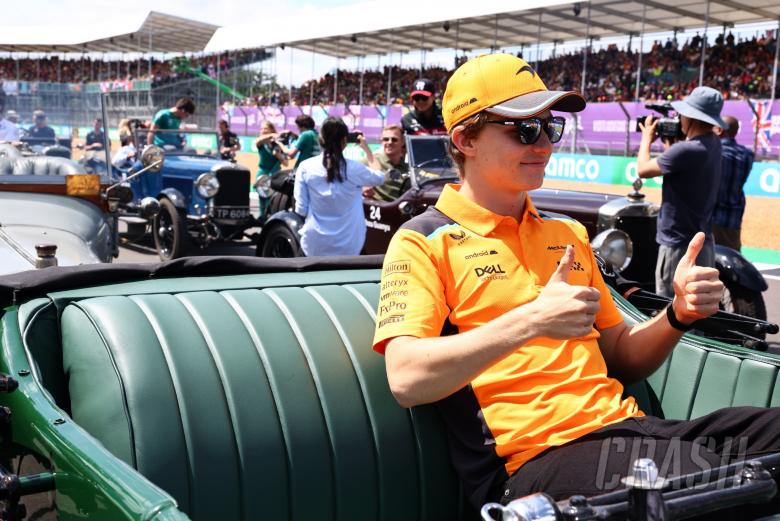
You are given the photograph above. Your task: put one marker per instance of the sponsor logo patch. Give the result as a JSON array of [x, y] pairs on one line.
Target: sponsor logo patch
[[392, 319], [494, 269], [394, 284], [480, 254], [402, 266], [556, 247]]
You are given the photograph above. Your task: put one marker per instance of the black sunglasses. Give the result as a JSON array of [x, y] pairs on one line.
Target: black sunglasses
[[392, 139], [529, 130], [419, 97]]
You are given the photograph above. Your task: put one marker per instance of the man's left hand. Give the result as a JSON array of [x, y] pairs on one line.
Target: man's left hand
[[697, 290]]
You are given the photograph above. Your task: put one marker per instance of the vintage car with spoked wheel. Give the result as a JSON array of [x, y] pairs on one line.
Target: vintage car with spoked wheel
[[622, 228], [202, 198]]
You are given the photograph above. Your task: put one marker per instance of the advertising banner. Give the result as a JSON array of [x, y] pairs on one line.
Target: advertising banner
[[601, 125], [764, 179]]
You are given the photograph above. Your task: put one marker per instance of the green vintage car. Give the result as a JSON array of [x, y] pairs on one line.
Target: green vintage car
[[246, 389]]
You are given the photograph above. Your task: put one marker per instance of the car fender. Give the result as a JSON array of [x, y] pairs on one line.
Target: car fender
[[290, 219], [174, 196], [733, 267]]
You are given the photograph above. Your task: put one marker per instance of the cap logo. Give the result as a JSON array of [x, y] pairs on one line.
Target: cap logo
[[420, 85], [526, 68]]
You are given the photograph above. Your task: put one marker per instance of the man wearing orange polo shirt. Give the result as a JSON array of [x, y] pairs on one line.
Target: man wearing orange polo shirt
[[498, 313]]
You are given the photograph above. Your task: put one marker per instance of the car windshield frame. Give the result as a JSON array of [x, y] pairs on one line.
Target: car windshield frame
[[430, 160], [141, 133]]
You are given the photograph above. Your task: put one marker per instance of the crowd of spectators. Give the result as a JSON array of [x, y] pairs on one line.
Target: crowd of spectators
[[736, 67], [87, 69]]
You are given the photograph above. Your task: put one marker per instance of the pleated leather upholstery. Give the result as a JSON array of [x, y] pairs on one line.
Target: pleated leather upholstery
[[257, 404], [696, 381]]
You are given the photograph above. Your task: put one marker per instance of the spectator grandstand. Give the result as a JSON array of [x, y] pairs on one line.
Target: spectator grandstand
[[86, 69], [736, 67]]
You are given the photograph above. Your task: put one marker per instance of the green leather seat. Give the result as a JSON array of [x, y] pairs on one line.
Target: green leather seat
[[270, 404]]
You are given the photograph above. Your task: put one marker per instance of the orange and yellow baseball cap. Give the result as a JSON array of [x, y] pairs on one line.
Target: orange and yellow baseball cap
[[502, 84]]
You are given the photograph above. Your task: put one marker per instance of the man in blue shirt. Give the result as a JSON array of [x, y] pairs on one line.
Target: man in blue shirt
[[41, 133], [735, 166], [691, 170], [170, 119]]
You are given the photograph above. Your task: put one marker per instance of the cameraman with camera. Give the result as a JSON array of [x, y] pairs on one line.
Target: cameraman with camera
[[691, 168]]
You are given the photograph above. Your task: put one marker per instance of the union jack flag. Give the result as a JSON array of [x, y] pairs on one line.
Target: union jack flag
[[762, 122]]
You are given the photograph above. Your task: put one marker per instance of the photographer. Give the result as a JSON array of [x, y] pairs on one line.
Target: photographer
[[307, 145], [691, 170], [228, 142]]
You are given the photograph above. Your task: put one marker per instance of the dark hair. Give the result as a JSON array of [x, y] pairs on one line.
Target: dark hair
[[221, 121], [305, 122], [334, 132], [187, 105]]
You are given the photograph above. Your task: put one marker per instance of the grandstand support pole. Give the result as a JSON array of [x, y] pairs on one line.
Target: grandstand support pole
[[539, 41], [151, 77], [704, 44], [422, 51], [290, 97], [311, 82], [216, 87], [389, 79], [774, 69], [585, 51], [362, 71], [639, 52], [494, 47], [628, 128], [336, 81], [757, 125]]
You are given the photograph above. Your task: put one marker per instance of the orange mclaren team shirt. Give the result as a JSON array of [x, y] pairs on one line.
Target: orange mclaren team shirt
[[462, 264]]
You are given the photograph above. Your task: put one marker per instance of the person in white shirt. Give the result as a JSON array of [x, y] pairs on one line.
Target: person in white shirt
[[9, 131], [328, 193]]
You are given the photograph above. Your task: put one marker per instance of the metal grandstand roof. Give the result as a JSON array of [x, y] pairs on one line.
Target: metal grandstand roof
[[365, 29], [158, 32]]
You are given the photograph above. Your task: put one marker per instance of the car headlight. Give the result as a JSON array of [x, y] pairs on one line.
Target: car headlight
[[207, 185], [614, 246], [263, 185]]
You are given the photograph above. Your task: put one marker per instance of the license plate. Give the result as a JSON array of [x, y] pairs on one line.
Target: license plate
[[231, 213]]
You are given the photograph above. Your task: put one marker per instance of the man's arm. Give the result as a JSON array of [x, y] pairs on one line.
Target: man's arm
[[150, 134], [646, 167], [633, 353], [370, 159], [424, 370]]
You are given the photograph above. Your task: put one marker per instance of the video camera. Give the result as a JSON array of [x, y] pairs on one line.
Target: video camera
[[667, 128]]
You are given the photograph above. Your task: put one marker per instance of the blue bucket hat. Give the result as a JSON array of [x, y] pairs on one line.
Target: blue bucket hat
[[704, 104]]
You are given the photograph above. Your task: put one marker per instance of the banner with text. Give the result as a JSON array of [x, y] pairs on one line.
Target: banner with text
[[601, 125], [764, 179]]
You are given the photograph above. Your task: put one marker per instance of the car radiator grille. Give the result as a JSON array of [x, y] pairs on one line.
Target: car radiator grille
[[233, 188]]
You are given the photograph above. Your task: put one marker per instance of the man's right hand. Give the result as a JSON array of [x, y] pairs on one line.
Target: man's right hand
[[563, 310]]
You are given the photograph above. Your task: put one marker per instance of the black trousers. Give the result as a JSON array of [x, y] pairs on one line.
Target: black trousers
[[594, 463]]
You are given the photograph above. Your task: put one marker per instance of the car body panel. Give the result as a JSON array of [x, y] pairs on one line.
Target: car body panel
[[82, 232]]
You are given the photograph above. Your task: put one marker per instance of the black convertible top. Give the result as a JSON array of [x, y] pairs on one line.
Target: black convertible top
[[25, 285]]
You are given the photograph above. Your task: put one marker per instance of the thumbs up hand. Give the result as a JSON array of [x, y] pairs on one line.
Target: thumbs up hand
[[563, 310], [697, 290]]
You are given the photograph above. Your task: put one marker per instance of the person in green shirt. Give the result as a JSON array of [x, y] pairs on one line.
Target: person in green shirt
[[308, 142], [170, 119], [271, 158], [392, 160]]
